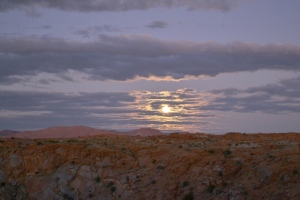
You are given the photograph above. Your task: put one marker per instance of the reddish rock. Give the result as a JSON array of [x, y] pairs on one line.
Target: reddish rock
[[231, 166]]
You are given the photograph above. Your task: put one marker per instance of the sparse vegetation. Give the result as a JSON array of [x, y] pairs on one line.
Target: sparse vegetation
[[185, 184], [66, 196], [40, 143], [159, 167], [238, 163], [220, 169], [271, 156], [52, 141], [211, 188], [189, 196], [72, 141], [227, 152], [97, 179], [113, 189], [211, 151], [110, 183]]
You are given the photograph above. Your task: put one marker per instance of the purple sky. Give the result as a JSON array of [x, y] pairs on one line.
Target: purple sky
[[223, 65]]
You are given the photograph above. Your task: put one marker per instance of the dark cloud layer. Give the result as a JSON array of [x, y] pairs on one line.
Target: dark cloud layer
[[119, 5], [44, 109], [116, 110], [272, 98], [131, 57], [157, 24]]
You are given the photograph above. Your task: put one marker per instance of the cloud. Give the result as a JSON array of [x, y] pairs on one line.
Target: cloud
[[283, 97], [157, 24], [138, 56], [119, 5], [32, 110], [190, 109], [83, 32], [95, 30], [44, 109]]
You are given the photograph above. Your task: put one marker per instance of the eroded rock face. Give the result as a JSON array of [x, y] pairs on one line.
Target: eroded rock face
[[231, 166]]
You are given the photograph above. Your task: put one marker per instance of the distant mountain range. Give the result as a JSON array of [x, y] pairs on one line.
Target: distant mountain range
[[75, 131]]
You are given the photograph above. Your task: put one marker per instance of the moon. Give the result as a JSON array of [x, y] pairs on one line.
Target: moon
[[166, 109]]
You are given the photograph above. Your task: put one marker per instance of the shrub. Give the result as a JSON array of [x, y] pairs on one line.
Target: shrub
[[295, 171], [97, 179], [189, 196], [2, 184], [211, 188], [110, 183], [159, 167], [91, 195], [153, 161], [72, 140], [238, 163], [52, 141], [66, 196], [211, 151], [39, 143], [185, 184], [113, 188], [227, 152]]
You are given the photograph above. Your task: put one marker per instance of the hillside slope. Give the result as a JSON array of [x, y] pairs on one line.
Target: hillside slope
[[199, 166], [76, 131]]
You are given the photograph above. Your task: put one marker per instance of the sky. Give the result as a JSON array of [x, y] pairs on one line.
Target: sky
[[218, 65]]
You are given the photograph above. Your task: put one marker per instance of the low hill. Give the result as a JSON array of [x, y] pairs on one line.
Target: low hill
[[8, 133], [79, 131], [63, 132]]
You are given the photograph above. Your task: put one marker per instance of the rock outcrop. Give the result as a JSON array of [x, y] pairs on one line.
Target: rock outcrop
[[166, 167]]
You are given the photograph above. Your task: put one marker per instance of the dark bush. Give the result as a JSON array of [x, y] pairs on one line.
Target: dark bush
[[97, 179], [113, 188], [211, 188], [189, 196], [227, 152]]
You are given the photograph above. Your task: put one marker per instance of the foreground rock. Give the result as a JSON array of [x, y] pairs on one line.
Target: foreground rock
[[199, 166]]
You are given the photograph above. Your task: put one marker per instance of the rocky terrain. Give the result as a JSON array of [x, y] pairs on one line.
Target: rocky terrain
[[166, 167]]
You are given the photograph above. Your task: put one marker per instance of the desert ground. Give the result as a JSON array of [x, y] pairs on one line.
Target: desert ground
[[85, 163]]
